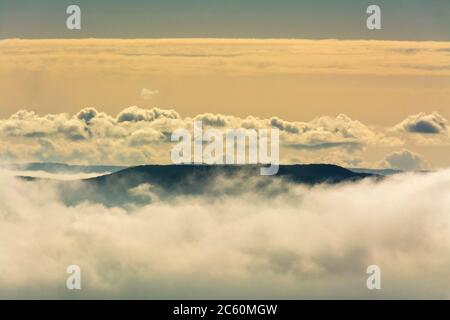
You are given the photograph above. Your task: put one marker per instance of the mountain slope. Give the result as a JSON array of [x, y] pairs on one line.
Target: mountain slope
[[382, 172], [171, 175], [143, 184], [166, 181]]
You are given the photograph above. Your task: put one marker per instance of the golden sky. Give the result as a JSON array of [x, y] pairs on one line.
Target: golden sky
[[378, 83]]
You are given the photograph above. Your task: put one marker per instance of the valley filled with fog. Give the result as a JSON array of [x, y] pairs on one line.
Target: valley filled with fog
[[281, 240]]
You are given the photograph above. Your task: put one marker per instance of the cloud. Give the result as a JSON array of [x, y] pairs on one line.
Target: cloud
[[138, 136], [405, 160], [215, 120], [424, 123], [234, 57], [28, 124], [135, 114], [147, 94], [87, 114], [42, 174], [142, 137], [328, 132], [283, 125], [300, 243], [327, 145]]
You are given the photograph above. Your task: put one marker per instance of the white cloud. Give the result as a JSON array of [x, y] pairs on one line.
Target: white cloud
[[148, 94], [405, 160], [302, 243], [56, 176], [423, 123], [135, 114], [138, 136]]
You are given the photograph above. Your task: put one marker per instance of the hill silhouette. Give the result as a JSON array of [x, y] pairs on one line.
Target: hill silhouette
[[142, 184], [167, 181], [171, 175]]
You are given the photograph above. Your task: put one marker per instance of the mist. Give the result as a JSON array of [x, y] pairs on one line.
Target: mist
[[304, 242]]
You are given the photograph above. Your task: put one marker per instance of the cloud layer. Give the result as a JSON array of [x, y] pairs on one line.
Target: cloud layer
[[139, 136], [229, 56], [303, 243]]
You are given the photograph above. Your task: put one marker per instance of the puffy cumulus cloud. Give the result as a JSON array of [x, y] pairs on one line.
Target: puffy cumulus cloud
[[302, 243], [327, 132], [424, 123], [283, 125], [405, 160], [215, 120], [73, 130], [144, 137], [134, 114], [87, 114], [89, 136], [137, 135], [28, 124]]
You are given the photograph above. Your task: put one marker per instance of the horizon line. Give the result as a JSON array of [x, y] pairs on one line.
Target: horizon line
[[224, 38]]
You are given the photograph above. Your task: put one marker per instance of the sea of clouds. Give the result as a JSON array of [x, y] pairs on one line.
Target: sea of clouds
[[306, 242]]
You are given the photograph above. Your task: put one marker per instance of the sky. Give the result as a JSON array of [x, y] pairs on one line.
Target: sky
[[114, 92], [344, 19], [376, 98]]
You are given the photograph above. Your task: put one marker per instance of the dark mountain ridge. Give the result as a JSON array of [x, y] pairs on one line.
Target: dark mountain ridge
[[168, 175], [167, 181], [142, 184]]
